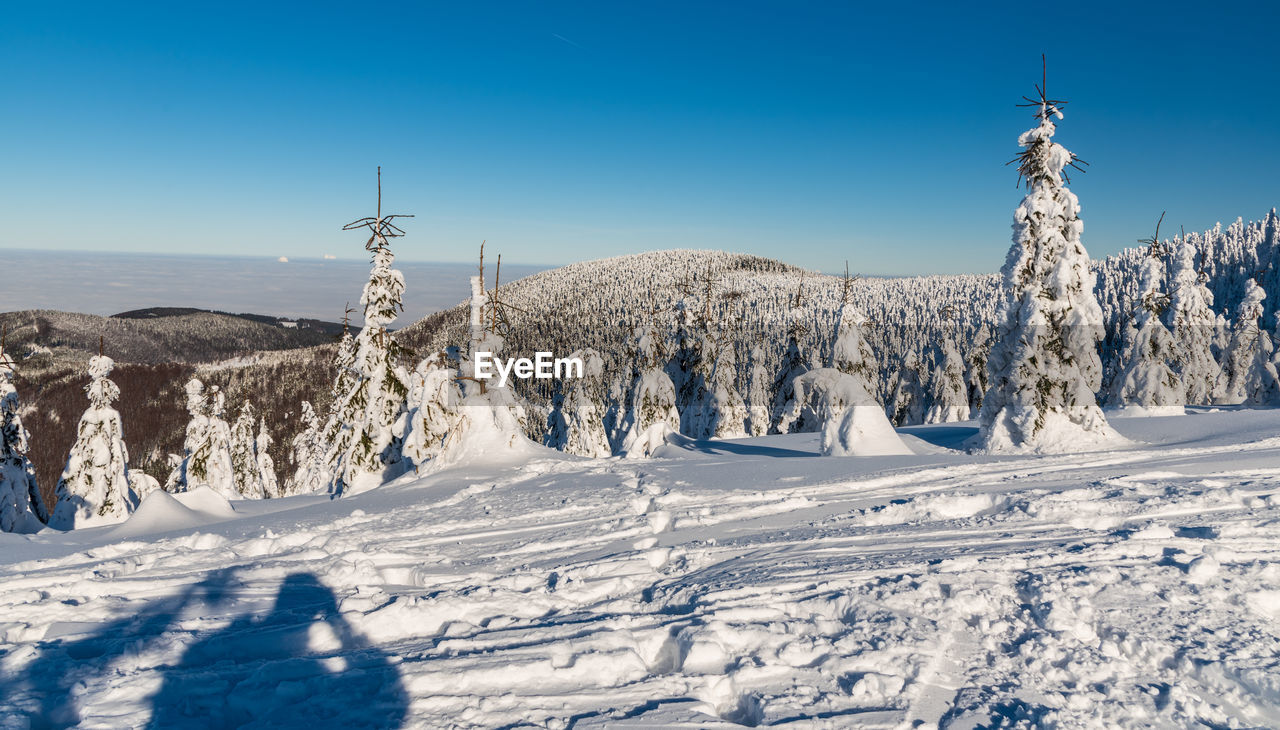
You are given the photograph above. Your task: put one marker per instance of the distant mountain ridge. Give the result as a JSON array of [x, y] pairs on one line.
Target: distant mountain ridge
[[303, 323]]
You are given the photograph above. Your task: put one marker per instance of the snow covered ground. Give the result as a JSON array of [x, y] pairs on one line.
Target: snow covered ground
[[723, 584]]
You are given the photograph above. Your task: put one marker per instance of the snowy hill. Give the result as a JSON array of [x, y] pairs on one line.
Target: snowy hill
[[722, 584], [598, 303]]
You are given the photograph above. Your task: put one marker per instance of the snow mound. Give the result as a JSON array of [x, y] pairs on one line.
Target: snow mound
[[862, 431], [488, 432], [162, 512], [207, 500], [646, 443], [1059, 432], [931, 509]]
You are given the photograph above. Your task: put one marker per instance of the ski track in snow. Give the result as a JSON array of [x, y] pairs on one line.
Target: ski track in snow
[[745, 583]]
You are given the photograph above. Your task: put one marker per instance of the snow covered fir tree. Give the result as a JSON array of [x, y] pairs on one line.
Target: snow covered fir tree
[[206, 453], [364, 433], [1044, 366], [94, 488], [1147, 383]]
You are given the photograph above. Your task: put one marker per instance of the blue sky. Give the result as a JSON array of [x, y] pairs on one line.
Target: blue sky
[[810, 132]]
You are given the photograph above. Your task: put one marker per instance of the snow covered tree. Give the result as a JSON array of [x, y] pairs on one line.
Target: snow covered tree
[[720, 412], [949, 399], [653, 413], [615, 415], [759, 409], [1248, 374], [266, 465], [308, 454], [853, 422], [975, 374], [94, 487], [1194, 326], [491, 419], [794, 364], [577, 425], [686, 366], [206, 452], [906, 407], [433, 408], [22, 508], [245, 470], [851, 352], [364, 433], [1146, 381], [838, 399], [1044, 366]]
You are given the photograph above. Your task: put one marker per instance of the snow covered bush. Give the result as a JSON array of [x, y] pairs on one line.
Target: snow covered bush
[[491, 421], [852, 421], [432, 408]]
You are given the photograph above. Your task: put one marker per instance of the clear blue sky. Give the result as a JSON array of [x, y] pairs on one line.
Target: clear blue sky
[[810, 132]]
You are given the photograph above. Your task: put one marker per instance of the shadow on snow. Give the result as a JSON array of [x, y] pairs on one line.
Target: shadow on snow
[[298, 665]]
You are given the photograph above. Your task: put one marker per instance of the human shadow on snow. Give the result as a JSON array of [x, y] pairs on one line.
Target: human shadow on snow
[[300, 664]]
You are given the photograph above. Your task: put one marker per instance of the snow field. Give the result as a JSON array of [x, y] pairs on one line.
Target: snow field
[[720, 584]]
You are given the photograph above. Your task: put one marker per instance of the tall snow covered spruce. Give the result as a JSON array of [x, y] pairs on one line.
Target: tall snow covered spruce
[[365, 428], [1044, 366], [21, 506], [94, 488]]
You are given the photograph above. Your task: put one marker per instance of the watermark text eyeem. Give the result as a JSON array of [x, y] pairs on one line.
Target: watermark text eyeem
[[542, 366]]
